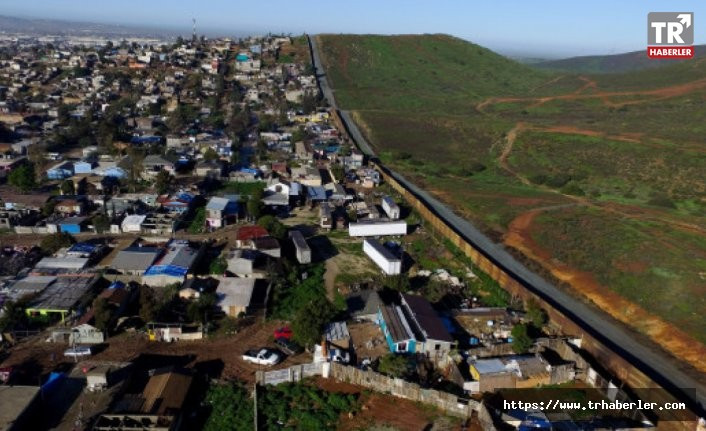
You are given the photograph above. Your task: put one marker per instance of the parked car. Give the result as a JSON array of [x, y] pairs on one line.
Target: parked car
[[262, 356], [283, 332], [288, 346], [78, 351]]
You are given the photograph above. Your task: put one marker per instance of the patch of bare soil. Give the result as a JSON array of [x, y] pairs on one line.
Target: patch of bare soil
[[223, 353], [671, 338]]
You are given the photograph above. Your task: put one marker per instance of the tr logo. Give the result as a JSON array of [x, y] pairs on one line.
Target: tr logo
[[670, 34]]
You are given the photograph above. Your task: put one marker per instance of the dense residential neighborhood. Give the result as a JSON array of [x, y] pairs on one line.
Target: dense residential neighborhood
[[190, 220]]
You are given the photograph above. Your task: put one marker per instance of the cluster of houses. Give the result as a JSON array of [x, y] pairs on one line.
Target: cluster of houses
[[144, 204]]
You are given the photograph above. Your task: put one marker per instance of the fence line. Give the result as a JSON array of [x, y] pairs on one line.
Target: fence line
[[449, 403]]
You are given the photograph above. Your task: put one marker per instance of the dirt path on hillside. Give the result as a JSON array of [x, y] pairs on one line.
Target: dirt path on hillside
[[671, 338], [332, 271], [632, 212], [587, 83], [507, 149], [656, 94]]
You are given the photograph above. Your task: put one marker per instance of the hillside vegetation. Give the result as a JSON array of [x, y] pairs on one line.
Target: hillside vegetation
[[598, 178], [618, 63]]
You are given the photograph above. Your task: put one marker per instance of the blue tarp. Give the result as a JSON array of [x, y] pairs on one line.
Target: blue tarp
[[116, 285], [53, 381], [83, 247], [146, 139], [171, 270], [316, 193]]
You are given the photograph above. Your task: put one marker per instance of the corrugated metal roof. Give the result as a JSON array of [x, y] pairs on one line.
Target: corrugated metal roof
[[337, 331], [427, 318], [135, 258], [234, 291]]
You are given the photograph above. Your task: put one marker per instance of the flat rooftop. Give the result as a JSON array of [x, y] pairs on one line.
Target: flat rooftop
[[14, 401]]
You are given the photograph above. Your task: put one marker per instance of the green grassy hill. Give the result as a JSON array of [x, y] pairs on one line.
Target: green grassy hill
[[421, 73], [617, 63], [603, 172]]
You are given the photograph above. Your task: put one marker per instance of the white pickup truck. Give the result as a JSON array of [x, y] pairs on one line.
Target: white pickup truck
[[262, 356]]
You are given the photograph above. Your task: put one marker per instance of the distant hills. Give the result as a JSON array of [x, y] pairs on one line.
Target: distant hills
[[618, 63], [41, 27]]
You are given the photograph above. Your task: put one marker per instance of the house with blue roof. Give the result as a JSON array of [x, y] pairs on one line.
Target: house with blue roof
[[72, 225], [60, 171], [178, 259], [84, 167], [178, 203], [222, 210]]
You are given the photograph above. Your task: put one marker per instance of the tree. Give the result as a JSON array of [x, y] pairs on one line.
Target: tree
[[101, 223], [255, 204], [162, 182], [48, 208], [394, 365], [210, 154], [337, 171], [67, 187], [101, 313], [135, 157], [398, 282], [199, 221], [308, 323], [22, 177], [273, 226], [13, 313], [521, 340], [198, 310], [231, 408], [218, 266], [535, 314], [148, 304], [52, 243]]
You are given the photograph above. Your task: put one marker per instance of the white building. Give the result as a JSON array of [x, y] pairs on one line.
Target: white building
[[133, 223], [388, 262], [379, 227], [390, 207], [302, 249]]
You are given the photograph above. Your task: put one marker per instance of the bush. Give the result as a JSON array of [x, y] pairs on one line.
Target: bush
[[573, 189], [538, 179], [218, 266], [662, 200], [231, 408], [199, 222], [299, 406], [273, 226], [394, 365], [52, 243], [521, 340], [558, 181], [535, 314]]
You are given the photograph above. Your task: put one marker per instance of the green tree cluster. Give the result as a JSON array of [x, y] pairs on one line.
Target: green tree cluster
[[22, 177]]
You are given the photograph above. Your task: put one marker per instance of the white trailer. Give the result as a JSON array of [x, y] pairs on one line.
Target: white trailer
[[379, 227], [388, 262], [390, 207], [301, 247]]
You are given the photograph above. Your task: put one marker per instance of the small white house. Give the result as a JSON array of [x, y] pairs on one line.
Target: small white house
[[302, 249], [133, 223], [390, 208], [384, 258], [379, 227]]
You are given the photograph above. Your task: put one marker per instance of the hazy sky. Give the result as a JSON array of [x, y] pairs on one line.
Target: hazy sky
[[530, 27]]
